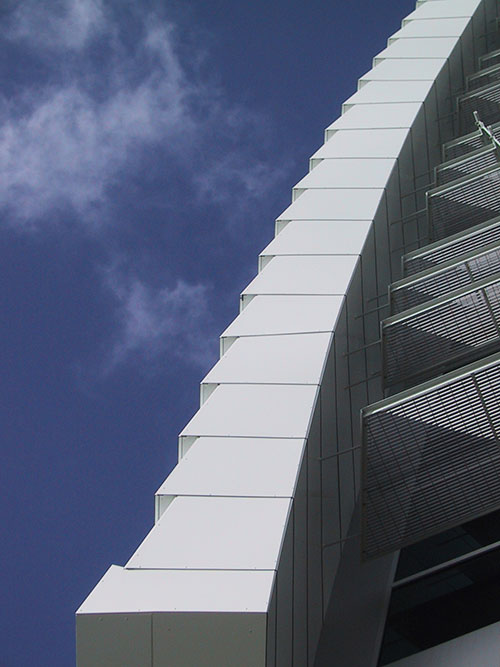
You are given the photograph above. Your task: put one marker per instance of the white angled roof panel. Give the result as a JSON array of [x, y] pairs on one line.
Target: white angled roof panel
[[267, 411], [297, 359], [374, 117], [304, 275], [425, 47], [237, 467], [375, 143], [444, 9], [382, 92], [320, 237], [404, 70], [212, 533], [334, 204], [438, 27], [348, 173], [269, 315], [129, 591]]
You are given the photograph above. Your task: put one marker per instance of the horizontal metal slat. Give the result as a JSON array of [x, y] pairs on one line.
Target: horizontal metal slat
[[444, 278], [467, 143], [442, 333], [486, 101], [490, 59], [465, 165], [451, 247], [464, 203], [484, 77]]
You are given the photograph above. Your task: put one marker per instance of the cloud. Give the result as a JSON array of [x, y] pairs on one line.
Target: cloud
[[155, 320], [110, 104], [234, 180], [68, 24], [65, 144]]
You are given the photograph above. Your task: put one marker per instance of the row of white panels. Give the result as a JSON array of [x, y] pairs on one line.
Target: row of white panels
[[372, 117], [439, 27], [265, 386], [223, 512], [262, 392], [240, 467], [404, 70], [385, 92], [214, 533], [134, 591], [285, 359], [444, 9], [347, 172], [304, 274], [284, 315], [318, 237]]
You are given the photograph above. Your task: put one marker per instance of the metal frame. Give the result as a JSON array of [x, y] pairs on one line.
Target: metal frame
[[474, 191], [453, 329], [492, 55], [470, 142], [493, 71], [470, 555], [485, 100], [451, 247], [465, 165], [440, 279], [466, 396]]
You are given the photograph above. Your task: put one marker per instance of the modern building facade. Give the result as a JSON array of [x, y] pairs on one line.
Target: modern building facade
[[292, 531]]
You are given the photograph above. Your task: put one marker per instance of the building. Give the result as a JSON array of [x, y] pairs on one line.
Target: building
[[278, 536]]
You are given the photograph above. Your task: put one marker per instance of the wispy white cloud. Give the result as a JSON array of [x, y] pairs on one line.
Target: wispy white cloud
[[236, 181], [153, 320], [66, 24], [66, 142], [70, 140], [61, 145]]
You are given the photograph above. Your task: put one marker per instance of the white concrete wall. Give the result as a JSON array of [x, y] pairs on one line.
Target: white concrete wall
[[251, 524]]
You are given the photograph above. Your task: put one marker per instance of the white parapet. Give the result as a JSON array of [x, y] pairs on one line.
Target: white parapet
[[250, 529], [183, 617]]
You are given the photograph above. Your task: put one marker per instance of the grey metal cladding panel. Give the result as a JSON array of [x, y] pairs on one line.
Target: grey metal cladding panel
[[357, 609], [486, 101], [383, 269], [330, 486], [393, 210], [444, 278], [431, 458], [442, 333], [284, 598], [468, 164], [483, 78], [452, 247], [464, 203], [468, 143], [271, 631], [357, 371], [314, 536], [300, 564], [194, 638], [345, 430], [370, 288], [131, 644], [332, 554]]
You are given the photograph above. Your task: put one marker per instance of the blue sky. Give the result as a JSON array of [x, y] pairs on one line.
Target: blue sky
[[145, 150]]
